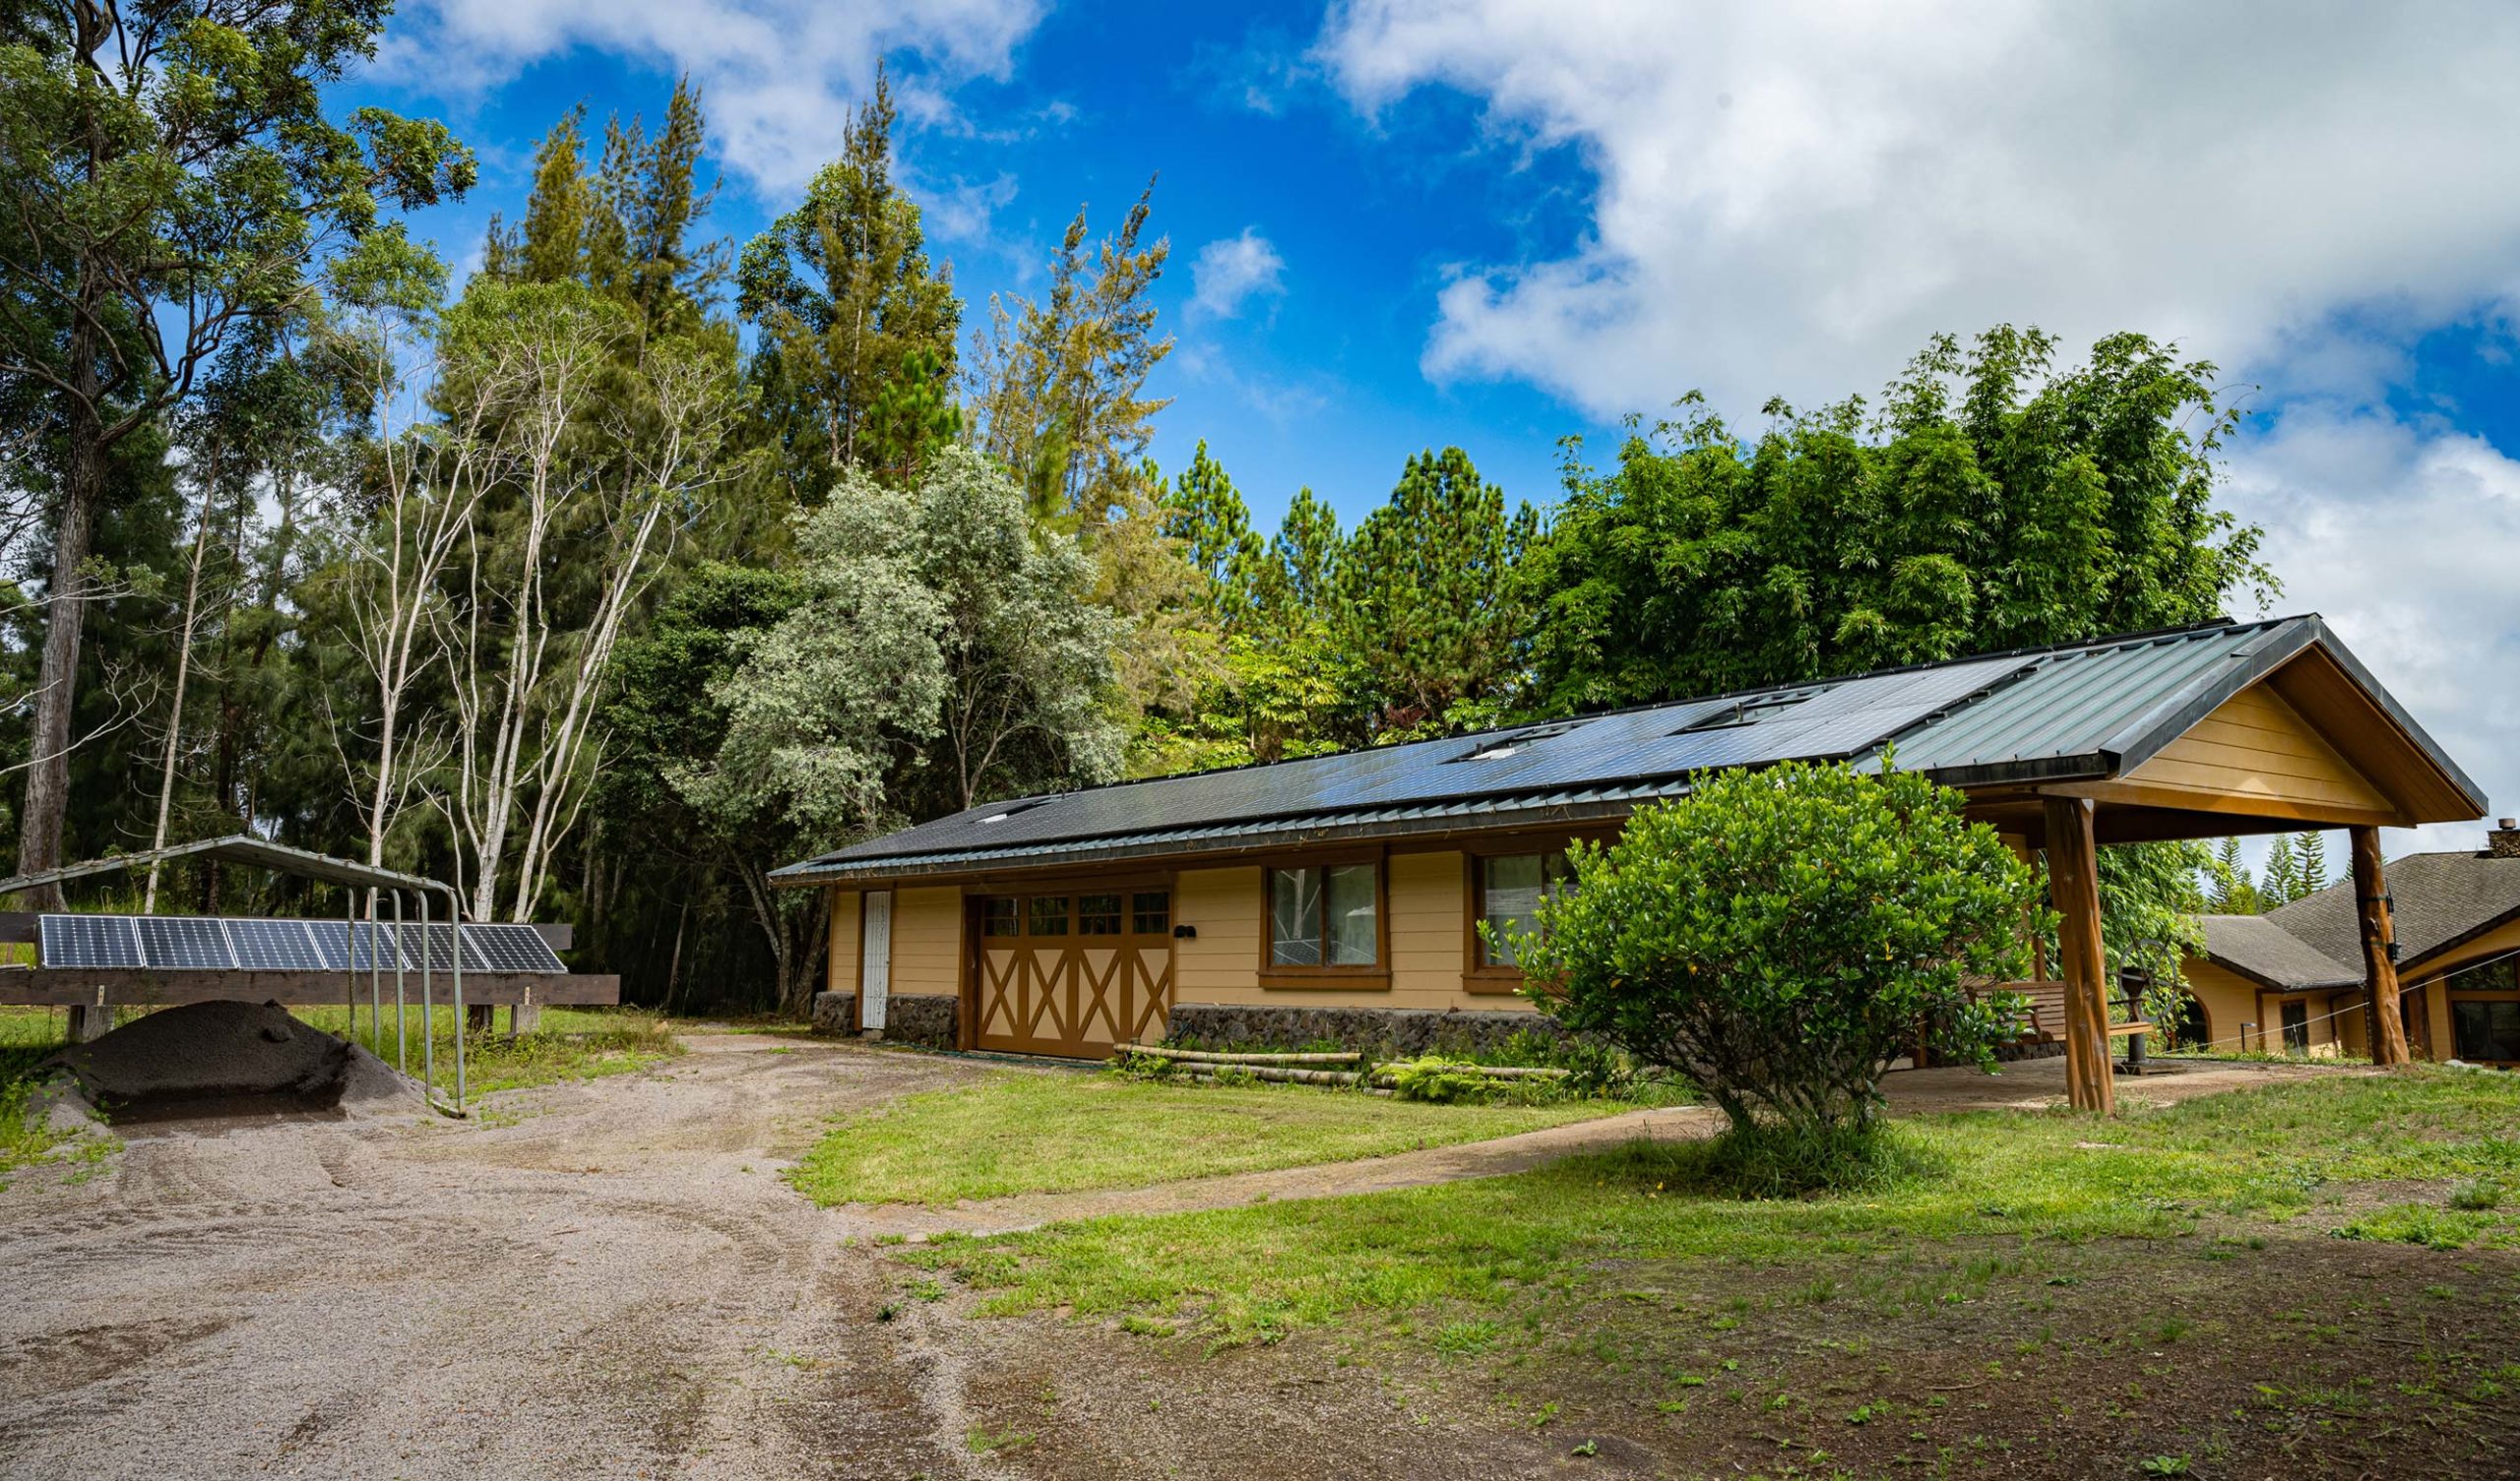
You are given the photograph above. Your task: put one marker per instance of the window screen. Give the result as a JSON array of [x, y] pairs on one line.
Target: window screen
[[1323, 918]]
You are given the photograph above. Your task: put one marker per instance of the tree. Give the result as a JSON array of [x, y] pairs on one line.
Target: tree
[[1995, 502], [1204, 513], [2310, 846], [624, 229], [2278, 879], [1427, 590], [1059, 382], [1300, 578], [1780, 934], [588, 476], [857, 329], [173, 176], [2229, 890], [939, 654]]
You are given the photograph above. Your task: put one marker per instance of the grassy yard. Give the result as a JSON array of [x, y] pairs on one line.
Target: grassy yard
[[2316, 1279], [1027, 1132]]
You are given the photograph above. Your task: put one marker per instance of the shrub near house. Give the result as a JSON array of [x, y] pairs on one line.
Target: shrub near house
[[1780, 934]]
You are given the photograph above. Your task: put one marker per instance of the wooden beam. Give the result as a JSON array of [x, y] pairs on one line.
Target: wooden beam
[[2229, 804], [144, 987], [2379, 972], [2073, 885]]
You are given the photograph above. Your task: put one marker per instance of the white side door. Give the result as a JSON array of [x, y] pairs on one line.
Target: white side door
[[875, 970]]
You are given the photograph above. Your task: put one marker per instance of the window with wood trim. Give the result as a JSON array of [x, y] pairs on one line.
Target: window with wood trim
[[1510, 888], [1045, 916], [1324, 916], [1097, 915], [1151, 913], [999, 916]]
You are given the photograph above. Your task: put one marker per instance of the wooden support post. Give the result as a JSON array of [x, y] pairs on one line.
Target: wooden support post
[[2379, 972], [89, 1023], [2073, 887]]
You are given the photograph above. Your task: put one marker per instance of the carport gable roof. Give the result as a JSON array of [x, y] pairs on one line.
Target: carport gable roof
[[2073, 712]]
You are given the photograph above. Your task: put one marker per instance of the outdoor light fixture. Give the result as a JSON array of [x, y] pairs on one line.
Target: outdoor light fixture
[[1185, 933]]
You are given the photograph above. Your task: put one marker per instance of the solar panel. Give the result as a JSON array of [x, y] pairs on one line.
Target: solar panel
[[332, 942], [90, 941], [274, 945], [439, 944], [508, 949], [372, 946], [190, 942]]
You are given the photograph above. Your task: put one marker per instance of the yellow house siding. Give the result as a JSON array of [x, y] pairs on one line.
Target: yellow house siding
[[927, 942], [1222, 962], [2228, 998], [2231, 1000], [2255, 745], [2502, 941], [1422, 941], [840, 973], [1424, 933]]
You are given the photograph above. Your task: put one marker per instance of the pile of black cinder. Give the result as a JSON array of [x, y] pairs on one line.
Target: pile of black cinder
[[222, 1059]]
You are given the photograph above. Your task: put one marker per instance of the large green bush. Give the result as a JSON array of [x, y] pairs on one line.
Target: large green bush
[[1781, 935]]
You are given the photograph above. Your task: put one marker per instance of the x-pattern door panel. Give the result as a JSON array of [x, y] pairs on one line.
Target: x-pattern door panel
[[1063, 975]]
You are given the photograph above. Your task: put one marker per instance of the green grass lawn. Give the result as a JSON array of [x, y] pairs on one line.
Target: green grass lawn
[[1027, 1132], [2281, 1154]]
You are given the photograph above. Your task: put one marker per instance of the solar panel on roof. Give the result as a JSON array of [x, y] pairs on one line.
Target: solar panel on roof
[[88, 940], [185, 941], [508, 949], [274, 945]]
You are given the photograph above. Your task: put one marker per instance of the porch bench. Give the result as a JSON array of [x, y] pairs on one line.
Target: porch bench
[[2047, 1014]]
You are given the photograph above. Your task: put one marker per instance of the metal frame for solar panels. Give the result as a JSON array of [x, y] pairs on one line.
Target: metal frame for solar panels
[[527, 976]]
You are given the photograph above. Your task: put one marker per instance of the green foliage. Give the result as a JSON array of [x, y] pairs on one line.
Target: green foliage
[[1424, 594], [1996, 501], [1795, 1159], [1779, 935], [1204, 513], [1441, 1081], [856, 350]]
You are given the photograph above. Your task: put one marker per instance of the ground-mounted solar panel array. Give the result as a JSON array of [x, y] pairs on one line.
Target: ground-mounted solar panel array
[[210, 943]]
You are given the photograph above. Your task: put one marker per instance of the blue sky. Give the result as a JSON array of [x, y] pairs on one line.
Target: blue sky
[[1406, 223]]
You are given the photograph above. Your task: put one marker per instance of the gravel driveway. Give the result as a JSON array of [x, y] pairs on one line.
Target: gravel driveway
[[600, 1279]]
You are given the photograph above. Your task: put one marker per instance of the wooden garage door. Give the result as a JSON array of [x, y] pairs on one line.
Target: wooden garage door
[[1074, 972]]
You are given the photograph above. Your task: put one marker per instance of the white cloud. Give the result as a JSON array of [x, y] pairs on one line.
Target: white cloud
[[780, 78], [1793, 196], [1231, 270], [2408, 540]]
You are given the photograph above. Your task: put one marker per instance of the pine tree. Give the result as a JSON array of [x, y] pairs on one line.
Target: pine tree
[[2310, 848], [2280, 881], [2232, 892], [1300, 580], [1426, 591], [849, 308], [1204, 513], [1058, 384]]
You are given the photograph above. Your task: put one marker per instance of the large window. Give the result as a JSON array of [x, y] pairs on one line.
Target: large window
[[1510, 889], [1322, 917], [2485, 1031]]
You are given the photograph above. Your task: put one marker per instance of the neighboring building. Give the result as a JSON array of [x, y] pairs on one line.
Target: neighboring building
[[1336, 894], [2291, 979]]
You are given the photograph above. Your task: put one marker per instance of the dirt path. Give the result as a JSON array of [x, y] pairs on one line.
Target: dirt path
[[603, 1279], [609, 1279]]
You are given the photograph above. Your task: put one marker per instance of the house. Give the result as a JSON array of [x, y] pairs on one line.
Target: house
[[2290, 980], [1321, 897]]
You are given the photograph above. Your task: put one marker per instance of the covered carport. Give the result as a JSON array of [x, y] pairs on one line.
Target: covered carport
[[2198, 734]]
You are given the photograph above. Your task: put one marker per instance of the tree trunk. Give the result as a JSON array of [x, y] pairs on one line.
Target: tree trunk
[[39, 824], [175, 712]]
